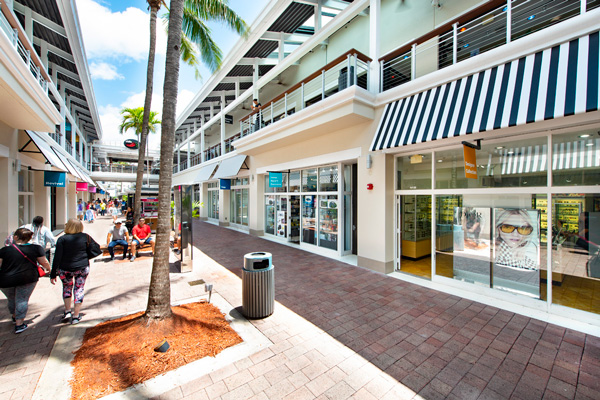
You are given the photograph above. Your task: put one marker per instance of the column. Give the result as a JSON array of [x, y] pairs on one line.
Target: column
[[189, 146], [281, 51], [62, 202], [255, 79], [374, 40], [256, 210], [318, 15], [41, 200], [28, 24], [72, 200], [63, 126], [9, 199], [224, 211]]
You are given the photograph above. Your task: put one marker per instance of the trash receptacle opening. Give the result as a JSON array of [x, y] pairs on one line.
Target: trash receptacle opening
[[259, 253], [261, 264]]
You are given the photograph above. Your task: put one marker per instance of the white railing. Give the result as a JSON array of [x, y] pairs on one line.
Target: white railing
[[116, 168], [509, 22], [13, 36]]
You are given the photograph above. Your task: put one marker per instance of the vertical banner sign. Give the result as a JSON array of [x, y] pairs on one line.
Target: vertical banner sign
[[81, 186], [55, 178], [225, 184], [275, 179], [470, 162]]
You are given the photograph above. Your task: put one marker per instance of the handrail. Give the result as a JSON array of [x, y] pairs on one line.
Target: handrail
[[461, 19], [309, 78], [12, 21]]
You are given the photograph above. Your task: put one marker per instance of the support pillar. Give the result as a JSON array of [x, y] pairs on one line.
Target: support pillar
[[374, 48]]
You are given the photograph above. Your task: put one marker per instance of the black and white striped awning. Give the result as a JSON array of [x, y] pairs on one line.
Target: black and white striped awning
[[559, 81]]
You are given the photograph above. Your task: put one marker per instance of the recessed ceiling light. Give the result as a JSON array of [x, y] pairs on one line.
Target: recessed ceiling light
[[589, 144], [585, 135], [499, 147], [440, 160], [510, 152]]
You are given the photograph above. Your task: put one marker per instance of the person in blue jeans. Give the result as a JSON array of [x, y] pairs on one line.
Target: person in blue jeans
[[120, 236]]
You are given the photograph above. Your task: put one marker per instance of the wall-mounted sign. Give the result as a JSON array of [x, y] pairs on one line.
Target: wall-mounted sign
[[131, 144], [470, 162], [55, 178], [92, 189], [275, 179], [229, 119], [81, 186], [225, 184]]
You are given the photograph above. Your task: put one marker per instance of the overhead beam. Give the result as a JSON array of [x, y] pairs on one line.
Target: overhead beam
[[53, 49], [257, 61], [64, 71], [40, 19], [287, 37]]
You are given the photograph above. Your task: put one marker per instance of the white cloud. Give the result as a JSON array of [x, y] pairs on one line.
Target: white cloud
[[110, 116], [119, 35], [104, 71]]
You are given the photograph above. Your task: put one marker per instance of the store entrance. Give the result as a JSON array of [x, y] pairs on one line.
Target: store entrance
[[414, 239]]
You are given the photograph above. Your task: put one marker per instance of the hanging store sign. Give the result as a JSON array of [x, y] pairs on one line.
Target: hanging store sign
[[229, 119], [275, 179], [225, 184], [131, 144], [92, 189], [470, 162], [55, 178], [81, 186]]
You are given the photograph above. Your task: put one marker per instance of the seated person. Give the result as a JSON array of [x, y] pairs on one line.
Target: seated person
[[141, 234], [120, 236]]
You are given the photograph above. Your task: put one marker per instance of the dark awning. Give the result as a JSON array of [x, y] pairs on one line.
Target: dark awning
[[556, 82]]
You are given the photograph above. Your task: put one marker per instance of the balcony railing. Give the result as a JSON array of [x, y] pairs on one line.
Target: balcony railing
[[68, 147], [453, 43], [13, 36], [351, 68], [116, 168]]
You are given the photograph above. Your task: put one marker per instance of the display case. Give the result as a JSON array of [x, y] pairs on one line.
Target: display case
[[416, 226], [328, 222], [308, 219], [270, 215], [542, 206], [294, 234]]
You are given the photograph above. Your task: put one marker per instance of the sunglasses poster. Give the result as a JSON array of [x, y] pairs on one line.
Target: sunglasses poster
[[471, 250], [516, 250]]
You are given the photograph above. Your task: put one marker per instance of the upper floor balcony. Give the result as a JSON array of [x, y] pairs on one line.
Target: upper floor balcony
[[488, 27]]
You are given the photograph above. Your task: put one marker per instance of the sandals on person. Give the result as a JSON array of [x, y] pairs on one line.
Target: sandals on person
[[67, 315], [75, 320]]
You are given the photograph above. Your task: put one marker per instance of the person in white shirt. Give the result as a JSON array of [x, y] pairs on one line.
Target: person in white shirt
[[41, 234]]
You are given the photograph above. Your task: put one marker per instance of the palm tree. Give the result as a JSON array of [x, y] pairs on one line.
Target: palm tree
[[195, 13], [133, 119], [159, 296]]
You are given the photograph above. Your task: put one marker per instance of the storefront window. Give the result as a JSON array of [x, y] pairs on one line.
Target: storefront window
[[328, 222], [294, 181], [309, 180], [576, 251], [576, 159], [514, 164], [495, 242], [309, 218], [328, 179], [270, 214], [239, 206], [213, 200], [413, 172]]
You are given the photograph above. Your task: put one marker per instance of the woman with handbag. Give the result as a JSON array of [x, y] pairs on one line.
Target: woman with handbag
[[19, 274], [71, 264]]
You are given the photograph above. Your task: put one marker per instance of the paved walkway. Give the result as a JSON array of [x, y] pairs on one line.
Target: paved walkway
[[338, 332]]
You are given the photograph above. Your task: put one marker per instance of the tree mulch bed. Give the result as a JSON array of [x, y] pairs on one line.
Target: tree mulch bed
[[120, 353]]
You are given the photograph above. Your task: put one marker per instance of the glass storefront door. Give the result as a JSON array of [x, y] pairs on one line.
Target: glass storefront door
[[238, 199]]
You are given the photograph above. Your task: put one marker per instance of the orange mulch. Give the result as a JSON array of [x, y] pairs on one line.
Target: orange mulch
[[120, 353]]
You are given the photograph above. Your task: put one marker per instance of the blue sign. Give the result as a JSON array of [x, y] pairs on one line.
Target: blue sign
[[55, 178], [275, 179], [225, 184]]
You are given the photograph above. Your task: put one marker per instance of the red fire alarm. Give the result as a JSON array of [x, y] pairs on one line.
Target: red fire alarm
[[369, 186]]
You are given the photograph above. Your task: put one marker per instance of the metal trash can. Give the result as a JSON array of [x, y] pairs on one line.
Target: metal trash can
[[258, 285]]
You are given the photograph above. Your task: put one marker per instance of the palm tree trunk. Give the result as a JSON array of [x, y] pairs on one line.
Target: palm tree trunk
[[139, 179], [159, 296]]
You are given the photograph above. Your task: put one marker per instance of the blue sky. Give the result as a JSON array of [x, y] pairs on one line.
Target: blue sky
[[116, 37]]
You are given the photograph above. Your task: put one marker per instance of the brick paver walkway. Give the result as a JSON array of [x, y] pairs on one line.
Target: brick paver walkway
[[344, 332]]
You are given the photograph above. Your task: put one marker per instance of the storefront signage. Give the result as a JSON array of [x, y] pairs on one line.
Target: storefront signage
[[55, 178], [229, 119], [225, 184], [81, 186], [470, 162], [92, 189], [131, 144], [275, 179]]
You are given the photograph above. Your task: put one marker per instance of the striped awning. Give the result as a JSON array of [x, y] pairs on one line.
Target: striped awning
[[559, 81]]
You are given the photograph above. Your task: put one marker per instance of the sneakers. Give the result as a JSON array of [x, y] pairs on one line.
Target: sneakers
[[67, 315], [20, 328], [132, 258], [75, 320]]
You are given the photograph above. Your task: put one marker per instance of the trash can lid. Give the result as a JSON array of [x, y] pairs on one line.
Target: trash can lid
[[259, 255]]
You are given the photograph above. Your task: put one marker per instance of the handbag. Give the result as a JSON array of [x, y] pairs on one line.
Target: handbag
[[92, 248], [41, 271]]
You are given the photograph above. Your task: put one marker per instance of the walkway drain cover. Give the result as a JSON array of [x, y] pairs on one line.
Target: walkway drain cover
[[196, 283]]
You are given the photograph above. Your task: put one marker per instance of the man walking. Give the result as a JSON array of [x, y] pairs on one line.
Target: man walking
[[141, 234], [120, 236]]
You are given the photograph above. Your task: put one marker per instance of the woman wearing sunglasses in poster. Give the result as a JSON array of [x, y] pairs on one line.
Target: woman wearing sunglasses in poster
[[517, 239]]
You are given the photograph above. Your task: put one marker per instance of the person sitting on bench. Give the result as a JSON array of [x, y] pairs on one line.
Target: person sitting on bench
[[142, 234], [120, 236]]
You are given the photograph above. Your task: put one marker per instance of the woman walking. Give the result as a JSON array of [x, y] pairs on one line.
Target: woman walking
[[19, 274], [72, 266]]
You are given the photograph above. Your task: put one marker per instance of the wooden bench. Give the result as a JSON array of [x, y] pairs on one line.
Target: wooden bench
[[144, 247]]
